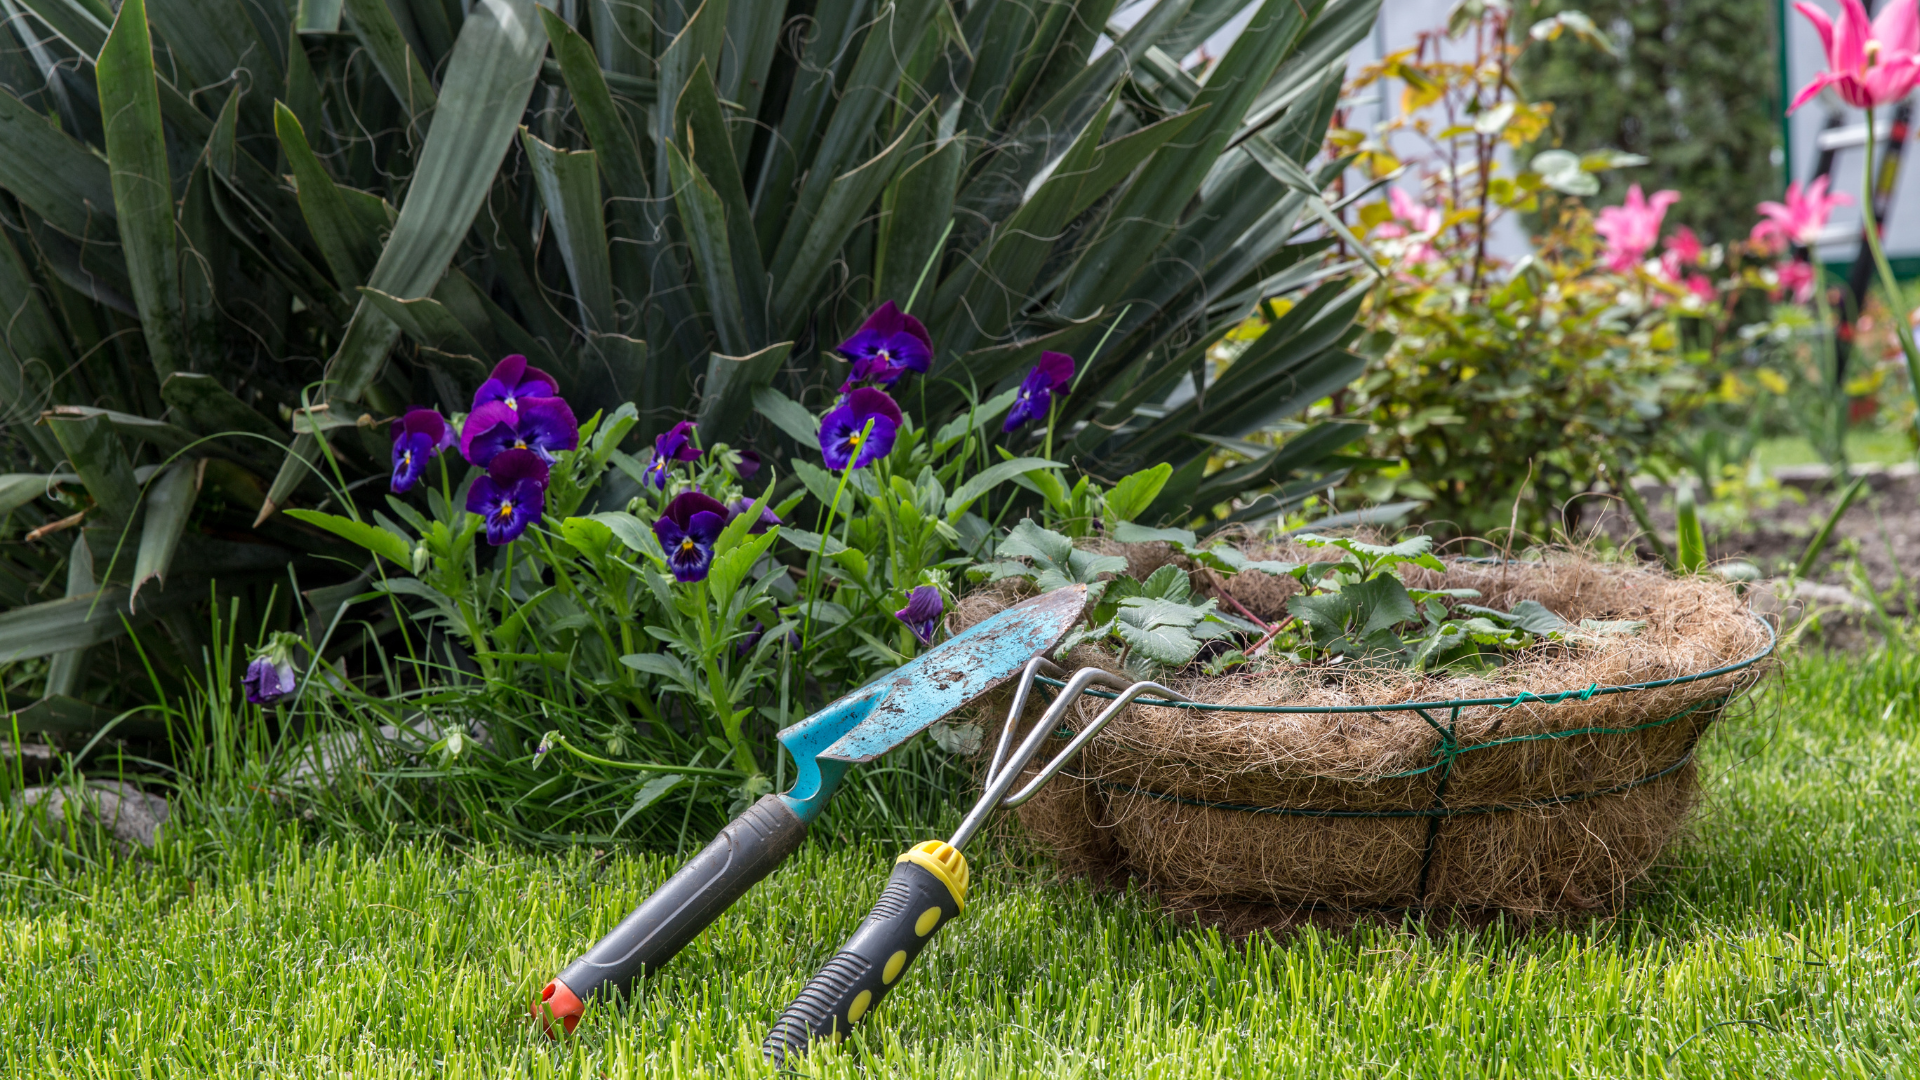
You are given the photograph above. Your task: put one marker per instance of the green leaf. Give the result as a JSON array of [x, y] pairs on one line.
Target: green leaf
[[142, 185], [650, 792], [1383, 600], [788, 415], [1162, 644], [730, 568], [632, 532], [919, 212], [372, 537], [976, 420], [53, 173], [19, 489], [732, 383], [210, 408], [709, 159], [1691, 553], [429, 322], [1129, 533], [1169, 582], [169, 503], [991, 477], [1133, 493], [569, 186], [811, 242], [666, 666], [373, 23], [96, 455], [347, 232], [54, 626]]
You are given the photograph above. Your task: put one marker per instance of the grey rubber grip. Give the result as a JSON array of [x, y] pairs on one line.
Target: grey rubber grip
[[745, 851], [914, 905]]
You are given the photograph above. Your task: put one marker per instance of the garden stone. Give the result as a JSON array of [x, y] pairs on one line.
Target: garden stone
[[131, 815]]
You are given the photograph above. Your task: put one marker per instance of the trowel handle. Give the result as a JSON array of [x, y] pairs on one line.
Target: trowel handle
[[745, 851], [927, 890]]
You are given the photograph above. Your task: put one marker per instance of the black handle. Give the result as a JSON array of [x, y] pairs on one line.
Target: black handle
[[745, 851], [928, 888]]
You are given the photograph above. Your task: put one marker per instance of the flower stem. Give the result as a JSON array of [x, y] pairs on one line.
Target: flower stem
[[1896, 303]]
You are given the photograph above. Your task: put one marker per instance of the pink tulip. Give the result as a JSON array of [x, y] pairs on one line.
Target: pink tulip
[[1869, 64], [1799, 219], [1631, 230]]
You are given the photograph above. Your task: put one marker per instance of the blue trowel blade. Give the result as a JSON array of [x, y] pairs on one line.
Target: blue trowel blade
[[961, 669]]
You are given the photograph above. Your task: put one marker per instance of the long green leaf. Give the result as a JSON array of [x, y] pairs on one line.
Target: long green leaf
[[95, 454], [142, 186], [919, 211], [705, 220], [730, 387], [569, 185], [490, 76], [788, 415], [1150, 209], [372, 537], [65, 668], [427, 321], [373, 23], [169, 503], [349, 240], [212, 409], [709, 152], [53, 173], [846, 202], [214, 40]]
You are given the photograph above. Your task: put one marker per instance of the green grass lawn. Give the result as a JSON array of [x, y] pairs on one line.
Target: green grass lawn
[[1785, 941], [1865, 446]]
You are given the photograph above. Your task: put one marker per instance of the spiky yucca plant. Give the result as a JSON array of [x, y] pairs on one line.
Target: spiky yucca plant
[[235, 233]]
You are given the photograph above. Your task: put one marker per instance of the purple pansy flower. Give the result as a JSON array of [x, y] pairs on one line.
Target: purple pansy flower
[[545, 426], [417, 436], [888, 345], [674, 444], [748, 465], [512, 382], [842, 441], [922, 613], [511, 496], [270, 675], [1048, 377], [768, 519], [687, 529]]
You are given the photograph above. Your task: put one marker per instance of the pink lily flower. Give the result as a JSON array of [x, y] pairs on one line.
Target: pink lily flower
[[1683, 251], [1631, 230], [1410, 217], [1870, 64], [1795, 279], [1799, 219]]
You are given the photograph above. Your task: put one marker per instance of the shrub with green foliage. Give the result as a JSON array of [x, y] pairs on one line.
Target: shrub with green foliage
[[234, 238]]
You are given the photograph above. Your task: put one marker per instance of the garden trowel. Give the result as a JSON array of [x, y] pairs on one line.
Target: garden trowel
[[857, 728]]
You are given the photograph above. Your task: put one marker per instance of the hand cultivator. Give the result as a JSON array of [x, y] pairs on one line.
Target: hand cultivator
[[928, 887]]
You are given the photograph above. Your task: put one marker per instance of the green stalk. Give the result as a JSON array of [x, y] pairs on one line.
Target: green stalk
[[1896, 303], [813, 562], [1819, 542]]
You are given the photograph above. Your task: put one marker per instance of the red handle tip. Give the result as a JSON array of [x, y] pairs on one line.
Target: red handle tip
[[559, 1005]]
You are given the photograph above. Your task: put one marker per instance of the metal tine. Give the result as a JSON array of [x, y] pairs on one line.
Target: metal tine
[[1004, 770], [1020, 691], [1087, 733]]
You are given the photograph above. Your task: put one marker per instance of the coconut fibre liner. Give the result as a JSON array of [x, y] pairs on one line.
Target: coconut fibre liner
[[1537, 808]]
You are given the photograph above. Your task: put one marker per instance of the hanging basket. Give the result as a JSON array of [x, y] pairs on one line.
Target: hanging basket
[[1543, 788]]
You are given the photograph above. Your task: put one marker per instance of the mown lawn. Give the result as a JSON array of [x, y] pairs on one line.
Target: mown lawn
[[1784, 942]]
